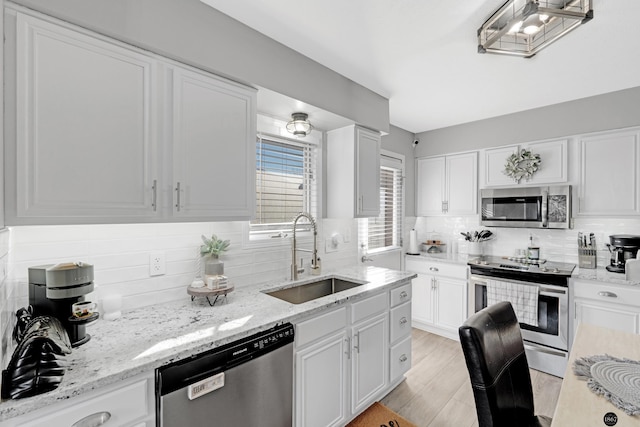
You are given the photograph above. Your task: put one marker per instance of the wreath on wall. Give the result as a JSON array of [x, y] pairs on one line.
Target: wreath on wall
[[522, 164]]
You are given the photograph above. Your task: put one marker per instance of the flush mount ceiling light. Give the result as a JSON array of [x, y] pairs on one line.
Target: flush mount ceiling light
[[525, 27], [299, 125]]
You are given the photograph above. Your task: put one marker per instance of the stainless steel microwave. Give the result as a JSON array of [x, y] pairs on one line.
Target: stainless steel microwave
[[527, 207]]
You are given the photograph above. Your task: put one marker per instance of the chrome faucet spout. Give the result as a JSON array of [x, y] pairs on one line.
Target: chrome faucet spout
[[295, 269]]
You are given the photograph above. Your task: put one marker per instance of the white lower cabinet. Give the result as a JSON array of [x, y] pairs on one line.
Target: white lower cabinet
[[321, 382], [439, 300], [130, 403], [342, 360], [607, 305], [369, 363]]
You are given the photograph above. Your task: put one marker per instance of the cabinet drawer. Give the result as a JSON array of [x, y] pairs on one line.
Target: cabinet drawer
[[401, 295], [312, 329], [400, 321], [369, 307], [424, 266], [124, 404], [400, 359], [616, 294]]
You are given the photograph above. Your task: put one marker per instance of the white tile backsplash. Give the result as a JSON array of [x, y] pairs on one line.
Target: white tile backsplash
[[555, 245], [120, 255]]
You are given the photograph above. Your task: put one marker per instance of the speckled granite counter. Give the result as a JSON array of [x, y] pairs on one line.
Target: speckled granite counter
[[601, 274], [146, 338], [460, 259]]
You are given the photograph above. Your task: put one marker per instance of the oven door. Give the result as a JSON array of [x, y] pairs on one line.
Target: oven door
[[553, 318]]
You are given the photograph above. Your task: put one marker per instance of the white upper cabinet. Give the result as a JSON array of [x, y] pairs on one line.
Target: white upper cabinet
[[553, 166], [214, 147], [86, 134], [85, 143], [353, 173], [447, 185], [609, 167], [494, 161]]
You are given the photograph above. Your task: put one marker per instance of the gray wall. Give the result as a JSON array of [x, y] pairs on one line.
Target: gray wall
[[602, 112], [401, 141], [194, 33]]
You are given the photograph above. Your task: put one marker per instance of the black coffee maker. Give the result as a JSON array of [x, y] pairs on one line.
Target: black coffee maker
[[53, 289], [622, 248]]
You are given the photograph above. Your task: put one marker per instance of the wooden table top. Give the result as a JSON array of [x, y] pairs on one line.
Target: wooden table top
[[577, 405]]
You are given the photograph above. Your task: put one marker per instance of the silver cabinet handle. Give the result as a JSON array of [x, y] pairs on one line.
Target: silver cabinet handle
[[93, 420], [433, 269], [404, 294], [403, 358], [154, 195], [347, 342], [178, 196], [356, 340], [403, 321], [607, 294]]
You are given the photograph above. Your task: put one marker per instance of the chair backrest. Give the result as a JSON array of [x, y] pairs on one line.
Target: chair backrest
[[494, 352]]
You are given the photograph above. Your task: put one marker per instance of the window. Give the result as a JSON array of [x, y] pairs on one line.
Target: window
[[385, 231], [285, 184]]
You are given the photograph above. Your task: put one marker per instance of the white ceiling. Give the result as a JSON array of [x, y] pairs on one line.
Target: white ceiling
[[421, 54]]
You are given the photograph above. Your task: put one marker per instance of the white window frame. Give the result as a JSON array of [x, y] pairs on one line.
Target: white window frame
[[275, 130], [395, 160]]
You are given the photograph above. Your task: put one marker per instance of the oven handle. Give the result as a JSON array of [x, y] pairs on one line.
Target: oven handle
[[543, 289], [541, 349]]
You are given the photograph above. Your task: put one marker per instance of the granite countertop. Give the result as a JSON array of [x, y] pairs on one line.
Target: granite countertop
[[147, 338], [601, 274], [457, 258]]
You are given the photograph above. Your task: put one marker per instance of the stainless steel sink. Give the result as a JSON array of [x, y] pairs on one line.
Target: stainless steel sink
[[310, 291]]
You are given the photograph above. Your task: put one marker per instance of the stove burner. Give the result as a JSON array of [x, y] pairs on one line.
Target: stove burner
[[521, 266]]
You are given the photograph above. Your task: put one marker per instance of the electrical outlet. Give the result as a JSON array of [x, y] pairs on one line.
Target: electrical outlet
[[156, 264]]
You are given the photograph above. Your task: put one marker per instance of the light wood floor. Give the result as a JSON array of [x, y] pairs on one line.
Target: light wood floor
[[437, 391]]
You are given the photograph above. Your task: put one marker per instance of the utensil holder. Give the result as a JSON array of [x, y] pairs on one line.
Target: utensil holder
[[587, 258], [474, 248]]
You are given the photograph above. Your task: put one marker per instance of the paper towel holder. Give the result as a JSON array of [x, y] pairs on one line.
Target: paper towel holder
[[413, 243]]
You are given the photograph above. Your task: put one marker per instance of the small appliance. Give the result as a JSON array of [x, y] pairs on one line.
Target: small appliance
[[528, 207], [55, 288], [622, 248]]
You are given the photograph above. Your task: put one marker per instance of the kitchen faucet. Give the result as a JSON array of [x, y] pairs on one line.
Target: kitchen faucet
[[315, 266]]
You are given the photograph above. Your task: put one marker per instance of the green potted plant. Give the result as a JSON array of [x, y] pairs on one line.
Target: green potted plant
[[211, 250]]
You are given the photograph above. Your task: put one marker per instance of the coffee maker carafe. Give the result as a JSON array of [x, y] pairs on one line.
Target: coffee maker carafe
[[53, 289], [622, 248]]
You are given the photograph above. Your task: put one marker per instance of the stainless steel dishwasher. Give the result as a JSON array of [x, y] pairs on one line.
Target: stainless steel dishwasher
[[245, 383]]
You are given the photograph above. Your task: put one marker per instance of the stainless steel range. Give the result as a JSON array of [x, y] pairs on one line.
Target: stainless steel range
[[547, 344]]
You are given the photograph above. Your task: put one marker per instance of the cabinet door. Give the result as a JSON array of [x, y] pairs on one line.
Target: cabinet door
[[214, 147], [85, 147], [494, 161], [450, 303], [462, 184], [554, 161], [430, 186], [321, 382], [609, 182], [367, 173], [369, 367], [422, 298], [613, 316]]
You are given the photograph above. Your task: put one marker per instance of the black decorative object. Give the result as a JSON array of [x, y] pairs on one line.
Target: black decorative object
[[39, 361]]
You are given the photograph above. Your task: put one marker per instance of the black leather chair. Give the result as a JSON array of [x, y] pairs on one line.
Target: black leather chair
[[494, 352]]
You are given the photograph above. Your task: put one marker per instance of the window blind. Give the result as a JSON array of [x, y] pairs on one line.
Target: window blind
[[285, 183], [385, 230]]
